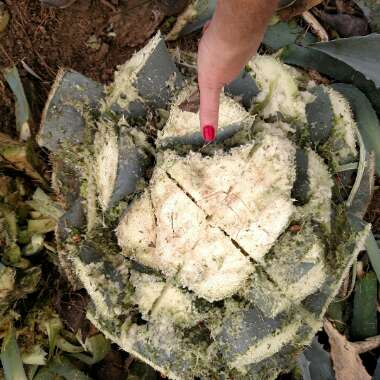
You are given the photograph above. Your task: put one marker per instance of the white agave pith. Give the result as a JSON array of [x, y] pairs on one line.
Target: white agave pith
[[158, 300], [344, 129], [186, 247], [239, 196], [210, 212], [148, 290], [107, 158], [279, 92], [182, 122]]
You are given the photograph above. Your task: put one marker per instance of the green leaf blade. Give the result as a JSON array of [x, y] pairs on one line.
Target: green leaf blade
[[365, 116], [364, 320], [11, 358], [373, 251], [361, 53], [23, 115], [282, 34]]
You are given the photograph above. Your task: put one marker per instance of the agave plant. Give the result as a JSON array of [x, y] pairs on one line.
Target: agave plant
[[207, 260]]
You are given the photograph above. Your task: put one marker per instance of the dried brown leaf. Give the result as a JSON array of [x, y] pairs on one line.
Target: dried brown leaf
[[128, 25], [367, 345], [345, 25], [191, 104], [315, 25], [297, 9], [22, 157], [346, 361], [173, 7]]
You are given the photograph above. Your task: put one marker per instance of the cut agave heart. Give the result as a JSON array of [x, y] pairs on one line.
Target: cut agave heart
[[207, 261]]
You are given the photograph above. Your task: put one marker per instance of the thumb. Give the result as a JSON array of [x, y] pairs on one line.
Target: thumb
[[209, 111]]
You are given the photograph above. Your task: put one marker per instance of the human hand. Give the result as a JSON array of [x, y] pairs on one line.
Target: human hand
[[229, 40], [218, 64]]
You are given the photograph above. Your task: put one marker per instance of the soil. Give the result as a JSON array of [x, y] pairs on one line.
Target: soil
[[90, 36], [373, 214], [6, 110]]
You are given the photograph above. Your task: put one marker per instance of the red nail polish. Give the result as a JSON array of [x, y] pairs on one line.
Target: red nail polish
[[208, 133]]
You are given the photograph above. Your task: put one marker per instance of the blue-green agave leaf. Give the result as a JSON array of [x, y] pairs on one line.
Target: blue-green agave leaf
[[365, 116], [282, 34], [308, 58], [361, 53], [315, 363]]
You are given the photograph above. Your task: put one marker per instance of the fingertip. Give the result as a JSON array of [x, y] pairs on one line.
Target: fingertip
[[208, 133], [209, 112], [205, 26]]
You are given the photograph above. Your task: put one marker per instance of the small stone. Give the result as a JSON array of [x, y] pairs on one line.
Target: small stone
[[102, 52], [94, 43], [4, 17]]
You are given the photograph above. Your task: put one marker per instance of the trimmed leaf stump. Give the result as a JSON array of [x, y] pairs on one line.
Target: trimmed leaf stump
[[208, 261]]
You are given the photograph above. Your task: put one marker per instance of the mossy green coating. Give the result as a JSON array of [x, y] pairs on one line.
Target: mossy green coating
[[297, 262], [62, 119], [265, 294]]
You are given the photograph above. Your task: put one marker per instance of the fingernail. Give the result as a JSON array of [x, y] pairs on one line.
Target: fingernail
[[208, 133]]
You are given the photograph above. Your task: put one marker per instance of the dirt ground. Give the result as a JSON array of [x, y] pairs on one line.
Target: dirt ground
[[90, 36]]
